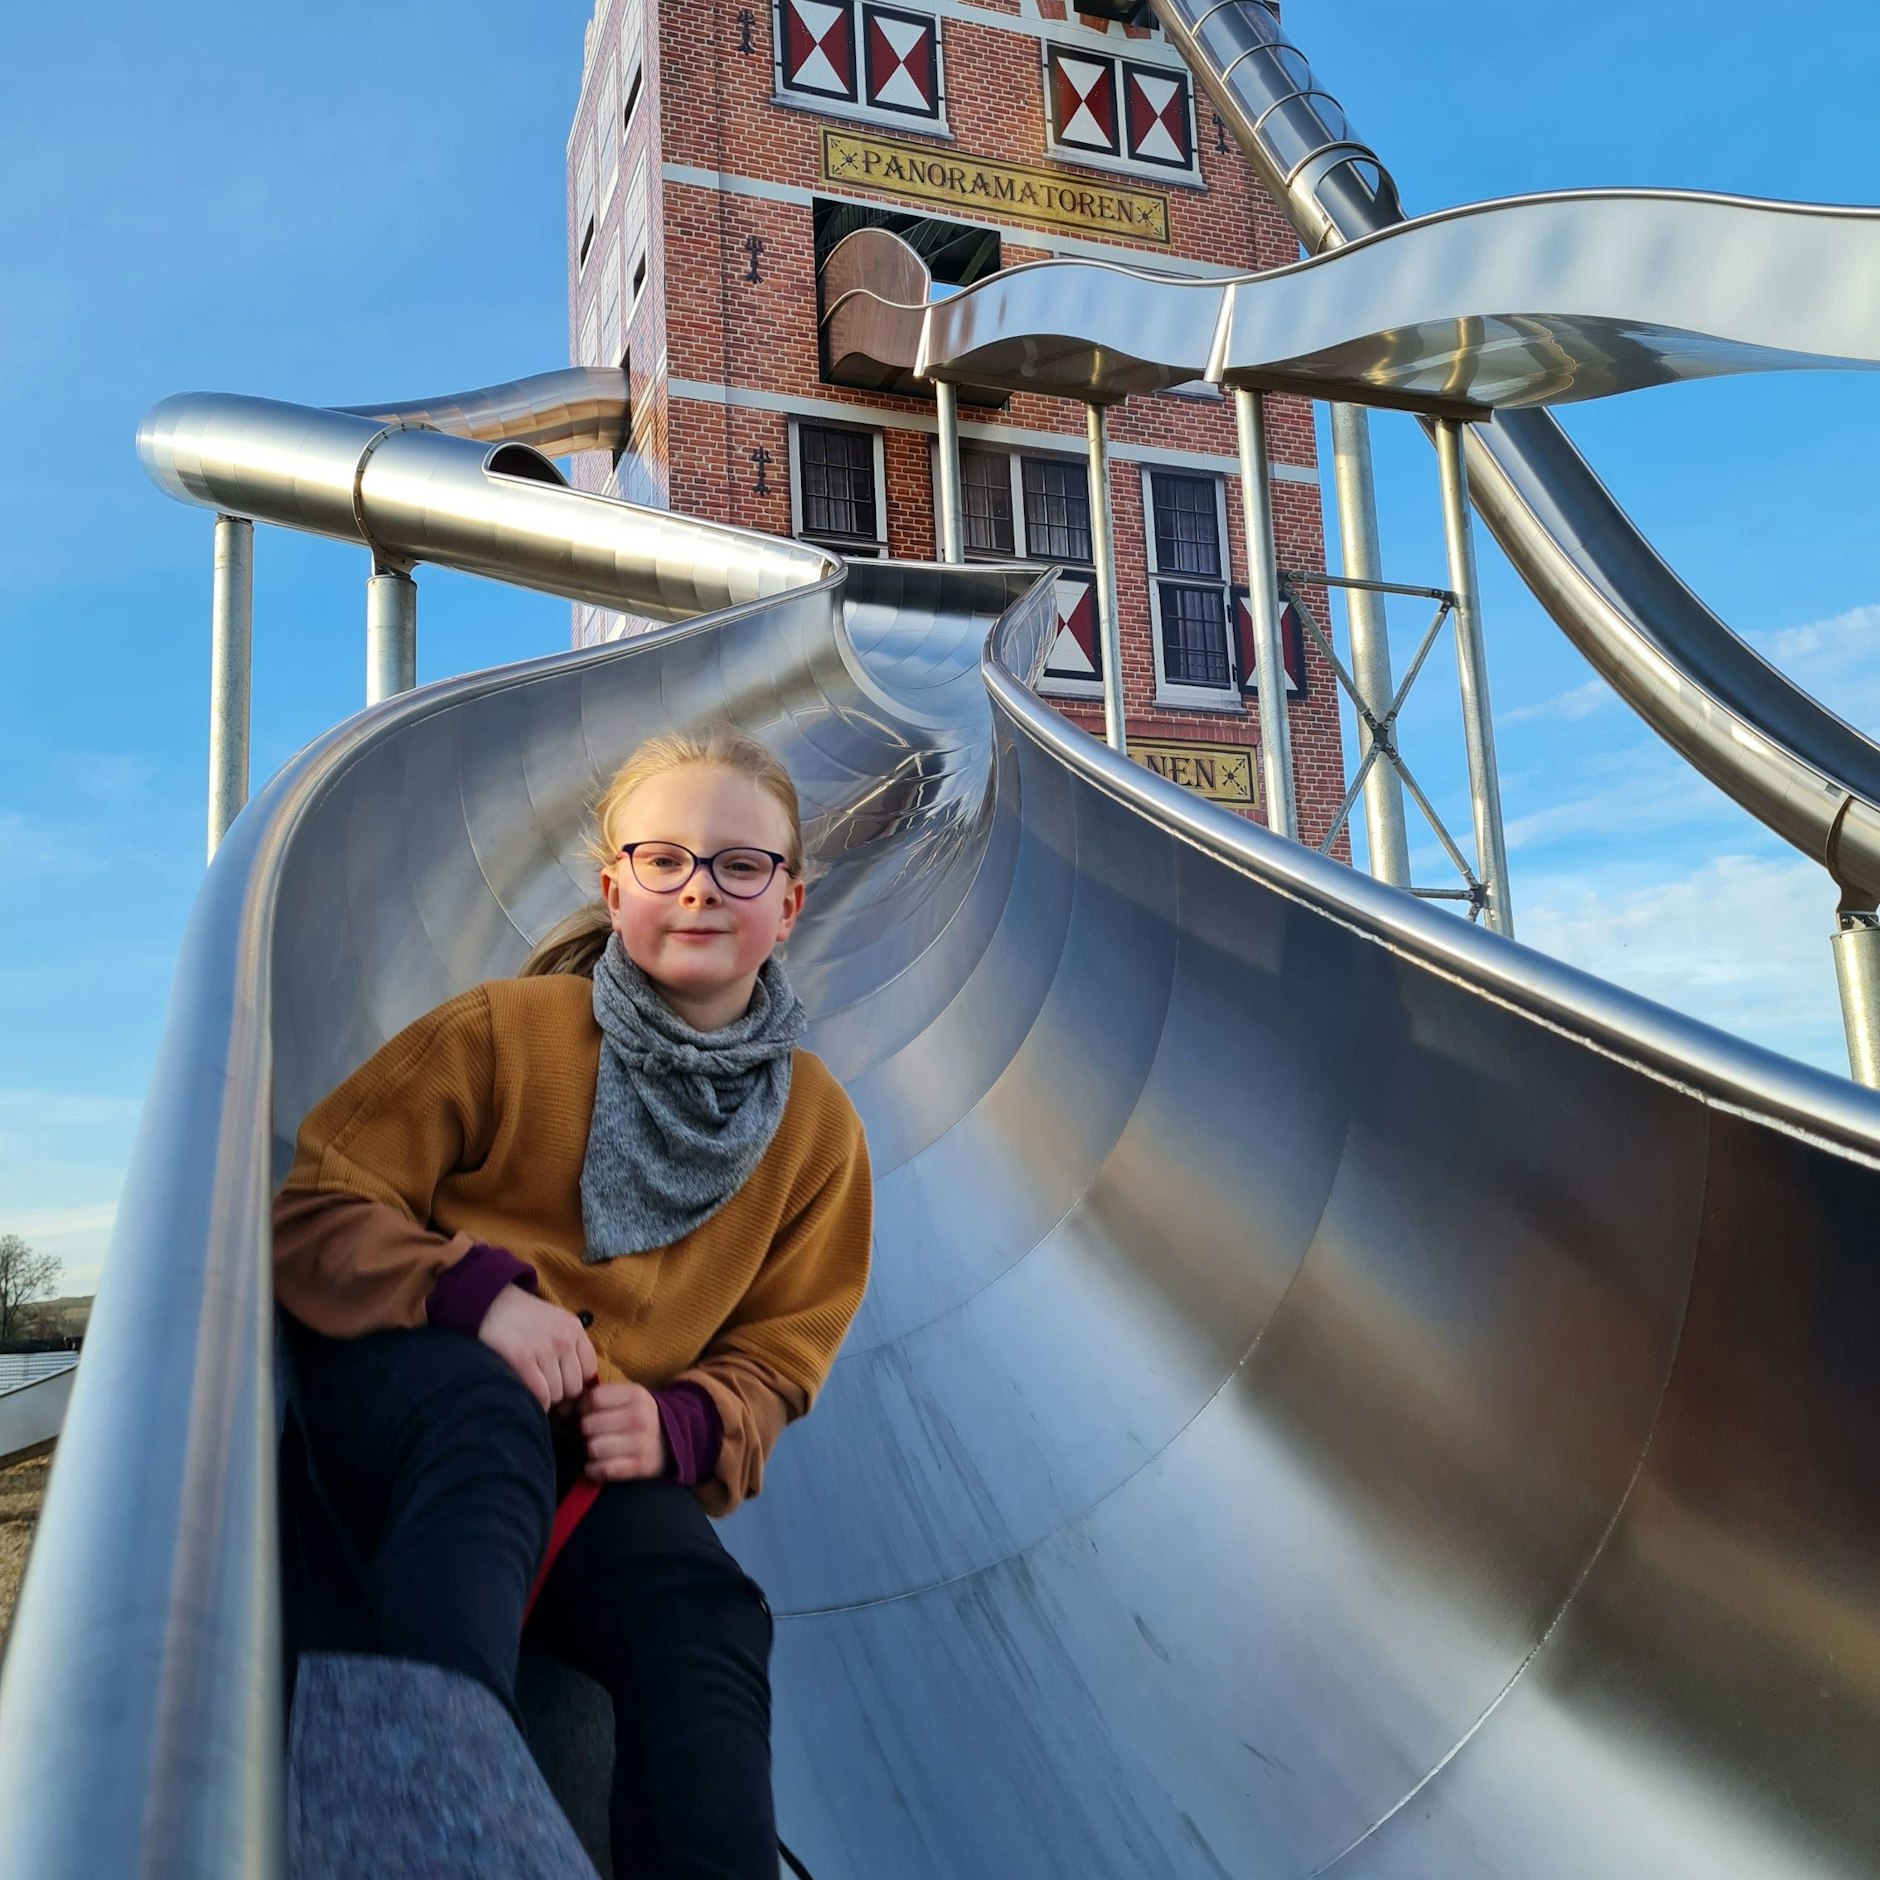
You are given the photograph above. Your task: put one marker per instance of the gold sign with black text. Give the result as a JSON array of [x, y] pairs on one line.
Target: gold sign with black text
[[1024, 192], [1223, 773]]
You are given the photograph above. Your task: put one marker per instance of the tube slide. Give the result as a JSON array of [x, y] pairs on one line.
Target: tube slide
[[1781, 754]]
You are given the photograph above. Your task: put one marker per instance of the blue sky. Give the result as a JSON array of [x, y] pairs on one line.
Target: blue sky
[[342, 203]]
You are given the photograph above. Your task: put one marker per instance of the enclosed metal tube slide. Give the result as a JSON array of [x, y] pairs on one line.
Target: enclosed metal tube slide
[[1339, 1392], [410, 493], [1780, 753]]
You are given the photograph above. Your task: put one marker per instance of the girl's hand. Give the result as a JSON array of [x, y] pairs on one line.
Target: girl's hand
[[547, 1348], [620, 1424]]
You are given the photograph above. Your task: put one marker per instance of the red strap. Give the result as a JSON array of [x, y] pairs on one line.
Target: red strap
[[574, 1505]]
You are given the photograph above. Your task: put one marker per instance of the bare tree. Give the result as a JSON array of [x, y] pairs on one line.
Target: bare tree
[[24, 1277]]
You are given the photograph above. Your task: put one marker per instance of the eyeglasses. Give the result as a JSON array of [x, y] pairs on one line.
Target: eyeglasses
[[665, 868]]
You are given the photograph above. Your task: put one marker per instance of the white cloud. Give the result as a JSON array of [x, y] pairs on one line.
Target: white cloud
[[62, 1160], [1836, 660], [107, 777], [1739, 941], [34, 848], [1643, 789], [1568, 707]]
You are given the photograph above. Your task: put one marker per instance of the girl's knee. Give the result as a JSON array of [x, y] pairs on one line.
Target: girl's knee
[[729, 1605], [495, 1425]]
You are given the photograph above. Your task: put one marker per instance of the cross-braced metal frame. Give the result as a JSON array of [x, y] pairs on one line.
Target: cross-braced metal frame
[[1381, 729]]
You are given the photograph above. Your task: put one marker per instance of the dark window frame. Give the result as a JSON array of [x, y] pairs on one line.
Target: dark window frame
[[1190, 588], [811, 526]]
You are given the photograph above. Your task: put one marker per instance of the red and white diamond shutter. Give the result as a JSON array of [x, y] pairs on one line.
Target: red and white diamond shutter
[[900, 61], [816, 47], [1157, 122], [1292, 640], [1082, 100], [1076, 650]]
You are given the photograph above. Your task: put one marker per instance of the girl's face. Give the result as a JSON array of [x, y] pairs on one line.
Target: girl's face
[[703, 948]]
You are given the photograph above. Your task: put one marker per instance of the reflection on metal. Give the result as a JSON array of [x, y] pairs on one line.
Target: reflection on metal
[[1103, 561], [1387, 847], [1256, 502], [391, 633], [873, 293], [1857, 973], [578, 408], [1787, 759], [1478, 723], [415, 495], [1535, 300], [231, 635], [1326, 1402], [952, 543]]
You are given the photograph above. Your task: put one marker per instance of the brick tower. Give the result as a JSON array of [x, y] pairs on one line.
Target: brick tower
[[720, 151]]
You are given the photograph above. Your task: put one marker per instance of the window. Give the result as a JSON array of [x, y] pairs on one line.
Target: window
[[986, 502], [584, 198], [1188, 591], [860, 59], [837, 493], [1119, 113], [633, 99], [607, 129], [1023, 508], [639, 278], [1057, 508], [610, 329]]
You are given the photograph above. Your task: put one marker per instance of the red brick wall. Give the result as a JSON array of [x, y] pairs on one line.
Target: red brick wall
[[708, 106]]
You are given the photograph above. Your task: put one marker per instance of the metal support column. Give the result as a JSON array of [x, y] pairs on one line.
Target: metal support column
[[1478, 728], [1857, 971], [1256, 500], [947, 400], [231, 639], [1385, 839], [1103, 554], [391, 633]]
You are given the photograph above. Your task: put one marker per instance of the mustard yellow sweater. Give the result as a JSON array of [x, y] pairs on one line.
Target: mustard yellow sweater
[[471, 1125]]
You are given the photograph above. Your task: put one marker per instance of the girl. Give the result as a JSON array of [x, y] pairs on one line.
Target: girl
[[600, 1221]]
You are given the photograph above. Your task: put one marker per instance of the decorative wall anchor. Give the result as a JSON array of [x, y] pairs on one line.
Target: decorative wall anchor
[[747, 24], [1220, 132], [754, 246], [763, 460]]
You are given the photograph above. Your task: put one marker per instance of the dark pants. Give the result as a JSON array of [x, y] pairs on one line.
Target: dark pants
[[439, 1474]]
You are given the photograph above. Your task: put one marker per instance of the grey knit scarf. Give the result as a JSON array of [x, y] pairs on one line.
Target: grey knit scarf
[[681, 1117]]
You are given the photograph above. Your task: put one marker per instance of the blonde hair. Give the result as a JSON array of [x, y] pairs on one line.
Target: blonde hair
[[575, 944]]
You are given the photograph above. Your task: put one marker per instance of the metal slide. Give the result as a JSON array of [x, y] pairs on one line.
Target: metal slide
[[1340, 1392], [1780, 753]]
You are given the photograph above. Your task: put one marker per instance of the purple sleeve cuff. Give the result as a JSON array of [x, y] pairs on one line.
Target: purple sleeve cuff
[[693, 1430], [466, 1291]]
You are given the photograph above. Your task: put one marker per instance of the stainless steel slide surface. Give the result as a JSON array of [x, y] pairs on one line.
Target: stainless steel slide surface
[[1532, 300], [1339, 1392], [1782, 755]]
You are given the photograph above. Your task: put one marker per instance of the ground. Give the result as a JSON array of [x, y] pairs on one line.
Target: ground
[[21, 1489]]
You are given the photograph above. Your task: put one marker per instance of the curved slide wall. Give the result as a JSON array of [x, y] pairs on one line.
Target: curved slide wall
[[1339, 1391]]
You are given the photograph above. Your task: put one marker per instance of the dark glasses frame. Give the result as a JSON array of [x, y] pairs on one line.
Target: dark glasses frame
[[710, 864]]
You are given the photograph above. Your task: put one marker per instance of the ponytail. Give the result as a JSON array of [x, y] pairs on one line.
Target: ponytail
[[573, 945]]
